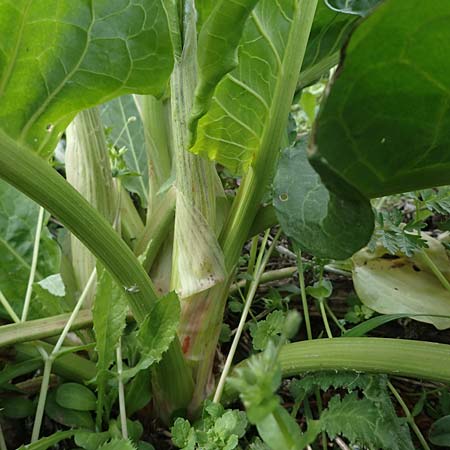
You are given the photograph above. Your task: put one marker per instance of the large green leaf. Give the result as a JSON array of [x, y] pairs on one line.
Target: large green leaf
[[385, 126], [358, 7], [18, 220], [58, 57], [252, 101], [217, 51], [312, 216], [122, 117], [109, 314]]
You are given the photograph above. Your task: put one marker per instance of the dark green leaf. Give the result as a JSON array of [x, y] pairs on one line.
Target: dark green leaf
[[17, 407], [440, 432], [18, 219], [383, 128], [67, 417], [75, 396], [138, 392], [312, 216], [267, 329], [70, 56], [118, 444]]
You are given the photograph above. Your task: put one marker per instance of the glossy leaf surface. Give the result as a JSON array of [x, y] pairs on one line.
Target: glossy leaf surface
[[58, 57]]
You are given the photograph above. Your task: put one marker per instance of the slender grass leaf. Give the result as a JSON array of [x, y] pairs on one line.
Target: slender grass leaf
[[312, 216], [71, 56], [384, 127], [122, 118], [49, 441], [246, 107], [217, 51], [75, 396], [109, 315], [375, 322], [18, 219]]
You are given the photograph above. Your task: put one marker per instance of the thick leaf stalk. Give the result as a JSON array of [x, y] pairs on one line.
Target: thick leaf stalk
[[35, 178], [88, 170], [256, 181]]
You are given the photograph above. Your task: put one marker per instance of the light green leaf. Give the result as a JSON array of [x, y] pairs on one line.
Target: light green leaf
[[264, 330], [312, 216], [250, 106], [204, 9], [18, 219], [59, 57], [385, 126], [89, 440], [49, 441], [118, 444], [49, 297], [122, 117], [217, 51], [403, 285], [75, 396], [109, 314], [279, 430], [156, 333]]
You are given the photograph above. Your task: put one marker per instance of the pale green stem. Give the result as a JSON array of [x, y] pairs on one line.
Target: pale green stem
[[301, 278], [252, 259], [48, 359], [122, 408], [37, 240], [409, 417], [263, 259], [335, 319], [436, 271], [325, 318], [266, 277], [8, 308], [2, 440]]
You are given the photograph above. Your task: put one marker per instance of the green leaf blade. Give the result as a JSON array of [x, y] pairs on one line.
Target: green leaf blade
[[217, 54], [312, 216], [72, 57], [383, 129], [231, 133]]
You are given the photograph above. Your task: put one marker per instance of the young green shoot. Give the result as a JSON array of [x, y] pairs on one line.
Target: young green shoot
[[301, 278], [261, 262]]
